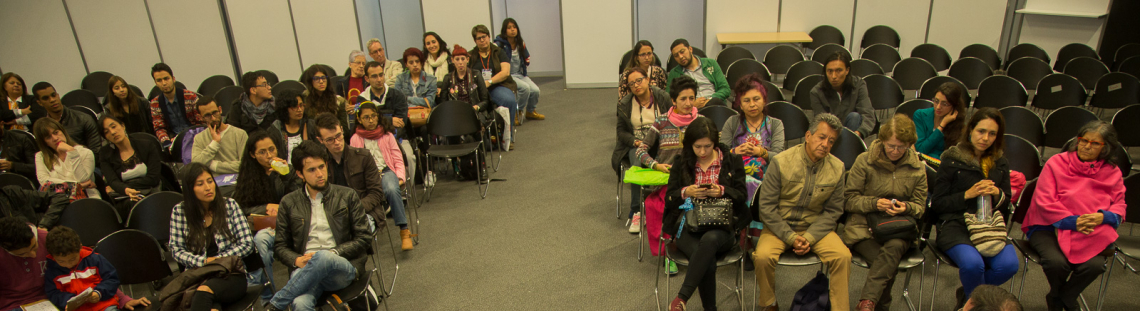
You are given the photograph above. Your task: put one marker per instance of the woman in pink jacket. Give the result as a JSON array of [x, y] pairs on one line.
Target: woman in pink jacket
[[1076, 208], [374, 134]]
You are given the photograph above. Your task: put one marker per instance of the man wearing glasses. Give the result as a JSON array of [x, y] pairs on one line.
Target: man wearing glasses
[[351, 167], [391, 68], [255, 110], [220, 145]]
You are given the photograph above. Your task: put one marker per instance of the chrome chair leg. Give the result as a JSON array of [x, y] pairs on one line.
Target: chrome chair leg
[[1104, 283], [1024, 272], [396, 263], [934, 288], [906, 290], [620, 189], [657, 283]]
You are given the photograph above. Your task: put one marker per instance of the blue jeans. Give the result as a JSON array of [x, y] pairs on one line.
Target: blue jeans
[[502, 96], [634, 189], [853, 121], [528, 92], [391, 185], [974, 270], [325, 272], [263, 241]]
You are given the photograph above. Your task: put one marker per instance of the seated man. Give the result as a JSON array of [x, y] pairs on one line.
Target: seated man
[[322, 235], [844, 95], [800, 201], [173, 110], [255, 110], [69, 273], [19, 152], [390, 100], [712, 88], [24, 259], [220, 145], [80, 126]]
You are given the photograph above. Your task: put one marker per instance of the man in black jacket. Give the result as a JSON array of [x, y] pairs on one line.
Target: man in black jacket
[[19, 150], [322, 235], [80, 126], [256, 110]]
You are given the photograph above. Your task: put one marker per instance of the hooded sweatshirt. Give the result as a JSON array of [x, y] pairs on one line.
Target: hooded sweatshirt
[[61, 284]]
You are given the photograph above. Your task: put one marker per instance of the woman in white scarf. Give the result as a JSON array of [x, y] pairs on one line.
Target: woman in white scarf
[[437, 56]]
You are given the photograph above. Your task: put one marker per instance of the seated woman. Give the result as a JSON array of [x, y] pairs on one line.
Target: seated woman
[[464, 85], [973, 168], [295, 125], [63, 166], [705, 169], [22, 105], [437, 56], [259, 190], [637, 111], [665, 136], [941, 125], [511, 41], [419, 86], [132, 167], [130, 108], [756, 137], [494, 65], [1072, 220], [650, 68], [889, 179], [318, 97], [203, 228], [375, 135]]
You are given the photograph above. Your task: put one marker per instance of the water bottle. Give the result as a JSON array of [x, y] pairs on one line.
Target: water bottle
[[280, 166], [985, 208]]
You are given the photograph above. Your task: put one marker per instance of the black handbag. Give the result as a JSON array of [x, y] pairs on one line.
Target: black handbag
[[885, 227], [710, 213]]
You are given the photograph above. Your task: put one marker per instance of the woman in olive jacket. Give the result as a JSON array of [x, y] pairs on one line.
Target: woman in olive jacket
[[649, 100]]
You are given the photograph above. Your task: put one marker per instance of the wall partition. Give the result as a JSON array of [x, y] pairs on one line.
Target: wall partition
[[192, 40], [44, 47]]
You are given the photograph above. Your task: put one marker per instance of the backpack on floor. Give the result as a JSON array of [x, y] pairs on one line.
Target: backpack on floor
[[813, 296]]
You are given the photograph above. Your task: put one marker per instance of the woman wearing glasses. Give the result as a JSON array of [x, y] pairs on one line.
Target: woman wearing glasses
[[1072, 220], [295, 124], [637, 111], [941, 125], [647, 61]]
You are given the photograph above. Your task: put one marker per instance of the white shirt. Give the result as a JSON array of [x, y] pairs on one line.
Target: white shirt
[[373, 147], [320, 233]]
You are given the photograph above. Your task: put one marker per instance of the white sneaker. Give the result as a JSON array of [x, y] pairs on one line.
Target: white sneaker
[[635, 223], [430, 179]]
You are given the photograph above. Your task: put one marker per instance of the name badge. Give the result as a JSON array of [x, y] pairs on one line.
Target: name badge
[[487, 75]]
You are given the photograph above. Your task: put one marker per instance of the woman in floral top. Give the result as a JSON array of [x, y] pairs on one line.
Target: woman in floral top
[[647, 61], [756, 137]]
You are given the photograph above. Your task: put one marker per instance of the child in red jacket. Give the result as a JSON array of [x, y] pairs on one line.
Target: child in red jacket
[[73, 268]]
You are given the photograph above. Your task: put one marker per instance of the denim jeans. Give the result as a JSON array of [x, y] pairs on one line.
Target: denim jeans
[[974, 270], [528, 92], [391, 185], [263, 241], [852, 121], [325, 272], [635, 198], [502, 96]]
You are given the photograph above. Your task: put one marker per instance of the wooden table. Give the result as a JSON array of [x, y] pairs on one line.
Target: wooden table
[[762, 37]]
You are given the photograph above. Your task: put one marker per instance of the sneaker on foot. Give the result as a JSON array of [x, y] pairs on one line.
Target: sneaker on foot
[[534, 115], [678, 304], [635, 223], [671, 267]]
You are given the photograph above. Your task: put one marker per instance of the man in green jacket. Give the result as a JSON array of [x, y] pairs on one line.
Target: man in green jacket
[[712, 87]]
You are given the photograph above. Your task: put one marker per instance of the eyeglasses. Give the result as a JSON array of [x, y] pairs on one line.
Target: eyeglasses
[[212, 115], [266, 152], [338, 137], [1081, 141], [371, 117], [356, 63], [637, 81], [481, 37], [895, 148], [320, 79], [265, 85]]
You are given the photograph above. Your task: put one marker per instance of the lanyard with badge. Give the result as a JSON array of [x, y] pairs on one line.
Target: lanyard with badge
[[486, 71]]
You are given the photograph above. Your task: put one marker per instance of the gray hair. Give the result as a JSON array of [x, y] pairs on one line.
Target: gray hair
[[352, 56], [825, 118], [1106, 131], [371, 41]]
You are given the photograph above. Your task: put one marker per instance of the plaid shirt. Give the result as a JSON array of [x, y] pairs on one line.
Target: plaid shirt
[[709, 176], [237, 225]]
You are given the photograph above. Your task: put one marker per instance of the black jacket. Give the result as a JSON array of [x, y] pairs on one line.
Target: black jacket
[[625, 138], [960, 171], [363, 176], [282, 185], [479, 97], [25, 102], [237, 117], [345, 217], [140, 121], [17, 201], [20, 149], [82, 129], [146, 150], [731, 178]]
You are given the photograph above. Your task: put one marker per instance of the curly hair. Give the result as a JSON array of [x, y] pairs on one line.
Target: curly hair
[[682, 83], [62, 241], [253, 184]]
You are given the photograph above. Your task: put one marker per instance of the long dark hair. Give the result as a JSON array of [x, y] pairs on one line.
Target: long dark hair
[[286, 100], [198, 235], [253, 184], [957, 98], [319, 101], [442, 45], [701, 127], [634, 61], [844, 58], [503, 32], [381, 121], [121, 107], [747, 83], [996, 149]]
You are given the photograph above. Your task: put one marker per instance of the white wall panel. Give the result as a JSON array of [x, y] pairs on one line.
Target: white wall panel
[[805, 15], [116, 37], [907, 17], [325, 36], [726, 16], [371, 26], [540, 23], [192, 40], [263, 35], [404, 26], [39, 44], [951, 29], [453, 20], [595, 34], [662, 21]]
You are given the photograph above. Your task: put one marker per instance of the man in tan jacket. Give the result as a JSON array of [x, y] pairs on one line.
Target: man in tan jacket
[[800, 201]]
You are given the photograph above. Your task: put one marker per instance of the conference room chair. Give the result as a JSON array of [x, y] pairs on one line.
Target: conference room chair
[[1029, 71], [1112, 92], [1023, 156], [971, 71], [934, 54], [780, 58], [152, 215], [824, 34], [824, 51], [983, 52], [138, 91], [1087, 70], [774, 92], [96, 82], [269, 76], [1124, 52], [283, 86], [930, 87], [795, 121], [1128, 129], [848, 147], [1024, 123], [718, 114], [13, 179], [92, 219], [999, 92], [1062, 125], [885, 94], [909, 107], [1071, 51], [454, 119], [1058, 90], [802, 95], [910, 73], [732, 54], [214, 83], [84, 110], [1026, 50], [669, 250], [745, 67], [914, 257], [880, 34], [800, 70], [226, 96], [82, 98], [137, 257], [865, 67], [885, 55]]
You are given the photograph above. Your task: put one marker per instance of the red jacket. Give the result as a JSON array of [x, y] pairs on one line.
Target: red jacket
[[61, 284]]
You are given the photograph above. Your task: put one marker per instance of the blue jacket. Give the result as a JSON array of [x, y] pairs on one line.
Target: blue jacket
[[524, 55], [92, 271], [420, 92]]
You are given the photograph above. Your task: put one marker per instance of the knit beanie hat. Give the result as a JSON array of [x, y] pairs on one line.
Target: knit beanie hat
[[458, 51]]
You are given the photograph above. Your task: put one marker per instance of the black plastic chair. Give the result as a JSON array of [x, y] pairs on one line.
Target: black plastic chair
[[983, 52], [1125, 51], [84, 110], [252, 263], [226, 96], [718, 114], [92, 219], [214, 83], [136, 256], [13, 179], [774, 92], [1059, 90], [1130, 66], [154, 91], [1072, 51], [865, 67], [799, 71], [880, 34], [971, 71], [1087, 70], [137, 90], [885, 94], [451, 119], [781, 57], [909, 107], [696, 53], [287, 85], [795, 120], [824, 51], [1115, 90], [82, 98], [1063, 124], [152, 215], [1127, 128], [1029, 71], [930, 87], [96, 82], [269, 76], [1024, 123], [848, 147], [825, 34], [934, 54], [336, 81], [1023, 156], [732, 54], [910, 73], [169, 179], [885, 55], [668, 247], [1026, 50], [802, 97], [999, 92], [745, 67]]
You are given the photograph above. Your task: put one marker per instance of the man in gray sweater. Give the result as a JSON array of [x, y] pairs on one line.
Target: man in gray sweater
[[844, 95], [220, 145]]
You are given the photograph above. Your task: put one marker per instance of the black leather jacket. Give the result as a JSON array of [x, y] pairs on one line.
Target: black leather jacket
[[345, 217]]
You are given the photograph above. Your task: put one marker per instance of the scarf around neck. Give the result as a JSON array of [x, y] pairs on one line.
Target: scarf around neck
[[438, 62], [681, 120], [370, 134], [255, 112]]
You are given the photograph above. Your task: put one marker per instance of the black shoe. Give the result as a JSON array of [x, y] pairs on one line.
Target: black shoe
[[748, 265], [961, 295]]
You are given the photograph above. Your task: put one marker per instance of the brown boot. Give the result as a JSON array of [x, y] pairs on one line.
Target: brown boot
[[406, 239], [534, 115]]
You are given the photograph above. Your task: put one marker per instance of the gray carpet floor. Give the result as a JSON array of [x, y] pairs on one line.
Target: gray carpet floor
[[547, 238]]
